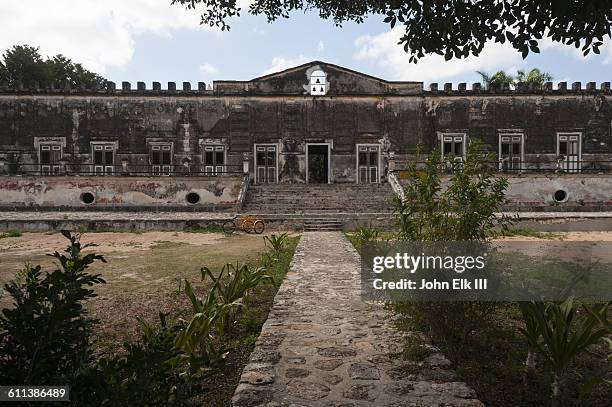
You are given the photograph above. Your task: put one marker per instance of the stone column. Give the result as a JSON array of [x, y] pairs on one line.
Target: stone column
[[245, 163], [391, 161], [62, 164]]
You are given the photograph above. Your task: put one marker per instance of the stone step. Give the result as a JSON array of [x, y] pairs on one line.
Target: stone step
[[322, 229], [307, 210], [300, 198], [315, 205], [322, 224]]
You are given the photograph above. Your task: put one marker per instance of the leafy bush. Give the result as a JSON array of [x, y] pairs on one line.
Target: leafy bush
[[196, 339], [45, 337], [150, 373], [209, 228], [250, 321], [10, 233], [250, 342], [465, 210], [367, 233], [277, 243], [560, 333]]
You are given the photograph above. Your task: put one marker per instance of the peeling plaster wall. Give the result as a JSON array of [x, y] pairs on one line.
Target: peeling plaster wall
[[535, 192], [118, 192], [276, 109]]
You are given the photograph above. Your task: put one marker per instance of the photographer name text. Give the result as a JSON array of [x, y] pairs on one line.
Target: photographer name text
[[431, 285]]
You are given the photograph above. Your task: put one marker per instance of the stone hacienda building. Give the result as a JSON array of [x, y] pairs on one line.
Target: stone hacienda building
[[315, 123]]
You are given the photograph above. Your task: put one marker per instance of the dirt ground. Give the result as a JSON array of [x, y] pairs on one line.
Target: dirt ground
[[143, 274], [563, 246]]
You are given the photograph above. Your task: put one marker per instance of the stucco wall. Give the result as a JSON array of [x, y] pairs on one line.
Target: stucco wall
[[276, 109], [218, 193], [533, 192]]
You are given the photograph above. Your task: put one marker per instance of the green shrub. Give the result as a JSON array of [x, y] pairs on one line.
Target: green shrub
[[365, 233], [210, 228], [465, 210], [277, 243], [45, 337], [196, 339], [10, 233], [559, 333], [151, 373], [250, 342], [250, 321]]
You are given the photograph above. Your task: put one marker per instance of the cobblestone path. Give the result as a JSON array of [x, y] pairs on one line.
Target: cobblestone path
[[323, 345]]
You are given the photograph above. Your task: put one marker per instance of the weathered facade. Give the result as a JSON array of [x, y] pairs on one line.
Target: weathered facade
[[314, 123]]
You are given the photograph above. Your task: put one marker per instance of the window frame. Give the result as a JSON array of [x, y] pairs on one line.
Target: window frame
[[161, 169], [214, 169], [53, 167], [566, 164], [511, 142], [453, 136], [103, 168]]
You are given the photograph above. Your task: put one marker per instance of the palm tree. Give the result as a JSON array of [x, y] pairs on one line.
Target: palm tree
[[534, 78], [498, 80]]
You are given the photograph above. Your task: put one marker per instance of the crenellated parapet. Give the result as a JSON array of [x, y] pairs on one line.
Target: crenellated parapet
[[222, 88], [449, 89], [125, 88]]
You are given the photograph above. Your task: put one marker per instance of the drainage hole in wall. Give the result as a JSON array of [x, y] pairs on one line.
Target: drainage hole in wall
[[193, 198], [87, 198], [560, 196]]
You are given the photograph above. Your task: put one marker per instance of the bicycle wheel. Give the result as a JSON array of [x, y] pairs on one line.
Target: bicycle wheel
[[259, 226], [247, 226], [229, 227]]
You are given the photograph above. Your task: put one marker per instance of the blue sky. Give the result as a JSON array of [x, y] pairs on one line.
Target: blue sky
[[149, 40]]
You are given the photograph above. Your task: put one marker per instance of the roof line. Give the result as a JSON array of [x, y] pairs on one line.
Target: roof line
[[295, 68]]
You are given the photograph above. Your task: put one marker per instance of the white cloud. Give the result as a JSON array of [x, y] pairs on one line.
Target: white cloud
[[321, 46], [208, 69], [99, 34], [258, 31], [282, 63], [384, 51], [605, 50]]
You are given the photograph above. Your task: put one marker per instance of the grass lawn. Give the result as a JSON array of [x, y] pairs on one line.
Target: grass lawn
[[143, 277]]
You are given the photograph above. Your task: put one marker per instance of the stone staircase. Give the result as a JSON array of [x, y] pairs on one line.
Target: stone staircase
[[328, 224], [319, 199]]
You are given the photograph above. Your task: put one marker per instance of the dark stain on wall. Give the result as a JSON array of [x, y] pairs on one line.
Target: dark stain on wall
[[276, 109]]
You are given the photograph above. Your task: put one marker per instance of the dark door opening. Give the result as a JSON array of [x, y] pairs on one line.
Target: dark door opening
[[318, 158], [265, 164]]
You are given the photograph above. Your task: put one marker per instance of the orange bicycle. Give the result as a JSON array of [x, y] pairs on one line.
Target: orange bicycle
[[247, 223]]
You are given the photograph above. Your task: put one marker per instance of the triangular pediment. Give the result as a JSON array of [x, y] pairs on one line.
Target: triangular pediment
[[337, 80]]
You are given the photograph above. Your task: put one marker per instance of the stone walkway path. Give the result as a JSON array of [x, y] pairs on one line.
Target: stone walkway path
[[322, 345]]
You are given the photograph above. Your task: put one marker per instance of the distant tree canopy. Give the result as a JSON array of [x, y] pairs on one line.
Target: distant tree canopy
[[534, 78], [24, 64], [455, 29]]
